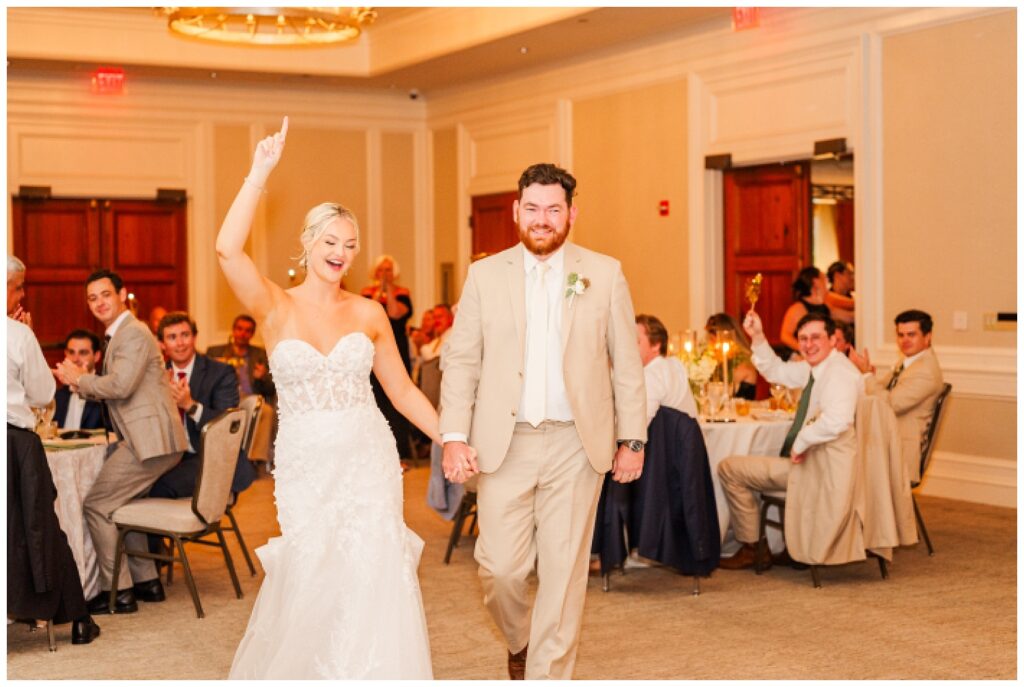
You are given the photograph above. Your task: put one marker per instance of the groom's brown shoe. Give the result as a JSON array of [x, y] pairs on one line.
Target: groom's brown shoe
[[517, 664]]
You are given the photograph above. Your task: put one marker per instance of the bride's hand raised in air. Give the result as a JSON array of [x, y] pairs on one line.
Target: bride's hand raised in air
[[267, 155]]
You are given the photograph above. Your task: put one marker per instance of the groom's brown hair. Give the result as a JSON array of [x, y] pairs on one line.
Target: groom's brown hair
[[546, 174]]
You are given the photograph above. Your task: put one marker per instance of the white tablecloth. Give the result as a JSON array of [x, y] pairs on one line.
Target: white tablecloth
[[74, 471], [745, 437]]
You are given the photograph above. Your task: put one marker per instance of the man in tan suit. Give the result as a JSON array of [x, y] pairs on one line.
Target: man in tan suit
[[542, 376], [823, 426], [911, 387], [137, 392]]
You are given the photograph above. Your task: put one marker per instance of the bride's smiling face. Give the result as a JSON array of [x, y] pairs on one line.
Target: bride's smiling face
[[332, 254]]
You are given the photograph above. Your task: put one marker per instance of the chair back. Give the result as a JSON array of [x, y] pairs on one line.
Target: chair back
[[430, 380], [253, 407], [221, 441], [929, 437]]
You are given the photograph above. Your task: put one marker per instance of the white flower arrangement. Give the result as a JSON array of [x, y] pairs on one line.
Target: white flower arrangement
[[576, 285], [700, 364]]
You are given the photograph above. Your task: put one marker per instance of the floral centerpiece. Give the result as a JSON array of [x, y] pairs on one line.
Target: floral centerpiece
[[700, 363]]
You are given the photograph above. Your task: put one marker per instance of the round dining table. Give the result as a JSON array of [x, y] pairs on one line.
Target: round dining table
[[759, 434], [75, 464]]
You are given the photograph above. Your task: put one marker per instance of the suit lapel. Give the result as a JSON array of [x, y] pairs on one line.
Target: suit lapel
[[569, 305], [517, 292]]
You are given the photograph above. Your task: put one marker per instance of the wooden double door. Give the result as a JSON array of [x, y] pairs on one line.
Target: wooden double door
[[63, 240]]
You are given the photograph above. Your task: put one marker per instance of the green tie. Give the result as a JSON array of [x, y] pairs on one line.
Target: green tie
[[895, 376], [798, 421]]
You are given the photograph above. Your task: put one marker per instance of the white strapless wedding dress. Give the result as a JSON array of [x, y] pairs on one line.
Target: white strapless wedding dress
[[340, 599]]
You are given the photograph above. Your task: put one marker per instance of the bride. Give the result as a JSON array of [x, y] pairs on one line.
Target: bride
[[341, 598]]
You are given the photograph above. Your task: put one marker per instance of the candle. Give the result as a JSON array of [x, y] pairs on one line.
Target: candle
[[725, 367]]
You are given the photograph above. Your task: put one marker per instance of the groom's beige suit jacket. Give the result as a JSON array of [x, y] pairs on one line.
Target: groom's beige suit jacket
[[483, 360]]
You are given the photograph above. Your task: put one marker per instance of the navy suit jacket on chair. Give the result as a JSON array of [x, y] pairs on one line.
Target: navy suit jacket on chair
[[92, 414], [214, 385]]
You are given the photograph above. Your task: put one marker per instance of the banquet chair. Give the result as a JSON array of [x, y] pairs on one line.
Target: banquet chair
[[253, 406], [467, 508], [926, 458], [879, 520], [189, 519]]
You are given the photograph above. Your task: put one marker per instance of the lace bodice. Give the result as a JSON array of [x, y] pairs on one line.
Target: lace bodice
[[307, 380]]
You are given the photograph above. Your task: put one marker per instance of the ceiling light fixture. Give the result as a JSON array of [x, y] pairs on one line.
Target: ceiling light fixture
[[270, 26]]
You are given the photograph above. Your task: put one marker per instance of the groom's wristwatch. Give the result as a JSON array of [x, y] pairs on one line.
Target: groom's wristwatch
[[634, 445]]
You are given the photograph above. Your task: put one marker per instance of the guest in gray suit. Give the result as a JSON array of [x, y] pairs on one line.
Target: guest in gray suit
[[134, 384]]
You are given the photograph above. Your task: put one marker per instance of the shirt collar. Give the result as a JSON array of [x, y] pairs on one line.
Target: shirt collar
[[818, 369], [907, 362], [112, 329], [187, 369], [556, 260]]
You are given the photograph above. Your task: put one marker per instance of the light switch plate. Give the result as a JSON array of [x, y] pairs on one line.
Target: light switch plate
[[960, 320]]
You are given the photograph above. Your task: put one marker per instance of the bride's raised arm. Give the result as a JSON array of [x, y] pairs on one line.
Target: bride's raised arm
[[253, 289]]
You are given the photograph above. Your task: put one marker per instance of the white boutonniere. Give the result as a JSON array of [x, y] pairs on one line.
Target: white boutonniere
[[576, 285]]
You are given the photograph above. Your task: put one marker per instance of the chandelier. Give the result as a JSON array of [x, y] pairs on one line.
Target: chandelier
[[270, 26]]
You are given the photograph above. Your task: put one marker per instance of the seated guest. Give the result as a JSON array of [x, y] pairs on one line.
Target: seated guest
[[742, 373], [912, 386], [844, 338], [82, 348], [42, 577], [822, 429], [135, 387], [665, 378], [442, 318], [249, 361], [839, 297], [202, 388], [808, 296]]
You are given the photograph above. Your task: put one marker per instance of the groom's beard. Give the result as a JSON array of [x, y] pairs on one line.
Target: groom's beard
[[544, 245]]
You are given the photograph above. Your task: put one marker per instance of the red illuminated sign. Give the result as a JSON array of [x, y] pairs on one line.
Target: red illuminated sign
[[108, 80], [744, 18]]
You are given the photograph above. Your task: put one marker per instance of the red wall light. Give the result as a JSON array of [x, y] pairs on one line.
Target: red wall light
[[744, 18], [108, 81]]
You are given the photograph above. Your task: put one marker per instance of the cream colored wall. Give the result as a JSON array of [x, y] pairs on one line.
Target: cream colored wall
[[446, 204], [950, 171], [231, 159], [629, 153], [950, 211], [397, 211]]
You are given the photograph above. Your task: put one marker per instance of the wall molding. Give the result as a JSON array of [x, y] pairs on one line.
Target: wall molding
[[978, 479]]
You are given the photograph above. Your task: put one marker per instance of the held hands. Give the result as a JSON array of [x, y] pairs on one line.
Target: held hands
[[627, 465], [459, 462], [753, 327], [267, 155]]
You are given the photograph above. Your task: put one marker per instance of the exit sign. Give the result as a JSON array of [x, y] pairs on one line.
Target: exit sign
[[744, 18], [108, 80]]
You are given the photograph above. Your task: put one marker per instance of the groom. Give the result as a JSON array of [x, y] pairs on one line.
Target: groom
[[543, 377]]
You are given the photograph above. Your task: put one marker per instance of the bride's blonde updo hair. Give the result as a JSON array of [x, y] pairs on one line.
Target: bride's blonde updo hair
[[316, 222]]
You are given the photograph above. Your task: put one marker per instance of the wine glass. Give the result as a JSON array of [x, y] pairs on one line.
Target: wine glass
[[716, 394]]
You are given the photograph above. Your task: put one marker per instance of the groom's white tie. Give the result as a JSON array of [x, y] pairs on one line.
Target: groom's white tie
[[536, 349]]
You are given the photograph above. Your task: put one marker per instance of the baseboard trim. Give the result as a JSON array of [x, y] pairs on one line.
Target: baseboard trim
[[978, 479]]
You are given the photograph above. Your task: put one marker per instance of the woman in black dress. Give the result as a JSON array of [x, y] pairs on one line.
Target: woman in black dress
[[809, 290], [398, 304]]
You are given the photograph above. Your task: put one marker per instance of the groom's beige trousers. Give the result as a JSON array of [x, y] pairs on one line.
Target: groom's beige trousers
[[539, 505]]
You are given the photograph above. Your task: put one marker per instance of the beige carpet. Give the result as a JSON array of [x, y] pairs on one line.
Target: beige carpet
[[950, 616]]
